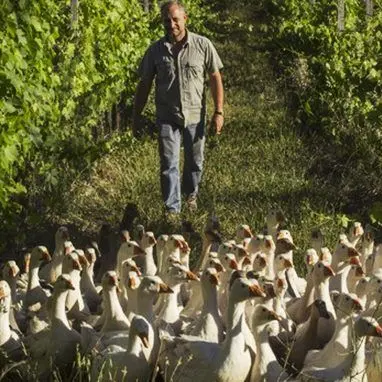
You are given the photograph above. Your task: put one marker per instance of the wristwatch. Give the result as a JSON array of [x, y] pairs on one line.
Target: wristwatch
[[219, 113]]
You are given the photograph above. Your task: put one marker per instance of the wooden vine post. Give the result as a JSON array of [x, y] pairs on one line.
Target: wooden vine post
[[341, 15]]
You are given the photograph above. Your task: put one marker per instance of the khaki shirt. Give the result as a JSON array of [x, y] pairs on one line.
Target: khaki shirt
[[180, 82]]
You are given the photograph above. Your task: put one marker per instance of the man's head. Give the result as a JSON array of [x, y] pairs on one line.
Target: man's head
[[174, 19]]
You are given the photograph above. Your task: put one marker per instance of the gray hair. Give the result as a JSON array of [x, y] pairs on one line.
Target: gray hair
[[167, 4]]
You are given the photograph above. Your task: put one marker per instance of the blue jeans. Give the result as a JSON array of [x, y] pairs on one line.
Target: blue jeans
[[170, 137]]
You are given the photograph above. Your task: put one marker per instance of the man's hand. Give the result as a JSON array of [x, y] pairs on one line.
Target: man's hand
[[217, 123], [137, 126]]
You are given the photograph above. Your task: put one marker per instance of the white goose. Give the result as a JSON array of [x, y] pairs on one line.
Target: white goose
[[209, 325], [266, 367], [337, 348], [321, 274], [169, 314], [117, 363], [10, 344], [35, 293], [229, 361], [87, 285], [130, 280], [115, 318], [71, 265], [58, 343], [128, 249], [367, 245], [317, 240], [352, 368], [291, 348], [161, 254], [274, 219], [355, 233], [54, 268], [147, 292], [17, 316], [146, 262]]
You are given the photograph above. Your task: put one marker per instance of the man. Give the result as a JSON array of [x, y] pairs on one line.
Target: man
[[180, 62]]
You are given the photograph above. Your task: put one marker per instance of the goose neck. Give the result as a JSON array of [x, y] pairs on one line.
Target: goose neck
[[145, 306], [210, 301], [5, 331], [33, 279], [58, 308], [113, 307]]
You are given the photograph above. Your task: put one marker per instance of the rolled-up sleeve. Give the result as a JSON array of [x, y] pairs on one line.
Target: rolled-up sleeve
[[213, 62], [146, 69]]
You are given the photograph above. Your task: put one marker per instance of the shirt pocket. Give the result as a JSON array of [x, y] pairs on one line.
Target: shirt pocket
[[193, 69], [165, 70]]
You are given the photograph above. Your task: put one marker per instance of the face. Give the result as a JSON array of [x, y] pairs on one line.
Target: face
[[174, 22]]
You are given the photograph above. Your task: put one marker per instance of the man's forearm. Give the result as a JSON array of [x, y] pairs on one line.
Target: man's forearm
[[141, 96], [217, 90]]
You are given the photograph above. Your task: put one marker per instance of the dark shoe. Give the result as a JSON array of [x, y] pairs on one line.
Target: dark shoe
[[192, 203]]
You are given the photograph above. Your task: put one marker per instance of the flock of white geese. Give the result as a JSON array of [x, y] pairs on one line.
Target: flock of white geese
[[241, 314]]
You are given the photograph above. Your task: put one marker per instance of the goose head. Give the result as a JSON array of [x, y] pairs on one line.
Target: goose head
[[374, 283], [325, 255], [147, 240], [346, 303], [177, 242], [71, 262], [61, 235], [63, 283], [355, 232], [241, 254], [68, 247], [260, 262], [316, 238], [91, 255], [280, 286], [243, 231], [228, 261], [5, 297], [322, 271], [311, 258], [344, 250], [274, 218], [367, 326], [110, 281], [152, 285], [10, 270], [210, 278], [282, 262], [269, 244], [356, 272], [284, 241], [256, 244], [214, 262], [321, 309], [263, 315], [161, 241], [242, 289], [140, 327], [128, 266], [368, 239], [178, 273], [39, 255]]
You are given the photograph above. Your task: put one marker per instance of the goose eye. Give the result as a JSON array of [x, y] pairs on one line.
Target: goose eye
[[363, 281], [129, 245], [243, 285], [379, 281], [152, 282], [347, 299], [226, 257], [319, 266], [342, 246], [264, 310]]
